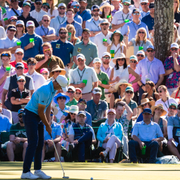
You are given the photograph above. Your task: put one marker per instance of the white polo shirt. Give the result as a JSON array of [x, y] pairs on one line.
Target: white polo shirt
[[98, 40], [77, 76], [38, 15], [38, 79], [55, 12], [2, 32]]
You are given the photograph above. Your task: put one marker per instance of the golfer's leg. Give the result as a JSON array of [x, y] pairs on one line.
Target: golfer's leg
[[38, 153], [24, 149], [58, 147]]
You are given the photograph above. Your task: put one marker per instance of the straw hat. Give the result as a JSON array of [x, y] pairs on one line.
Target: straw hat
[[122, 81], [106, 4], [145, 101], [57, 68], [117, 32], [55, 2], [160, 106], [119, 56]]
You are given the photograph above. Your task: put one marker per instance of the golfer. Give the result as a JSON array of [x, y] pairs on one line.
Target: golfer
[[34, 117]]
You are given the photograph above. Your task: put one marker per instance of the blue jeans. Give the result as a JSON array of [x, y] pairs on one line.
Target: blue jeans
[[151, 149], [35, 134]]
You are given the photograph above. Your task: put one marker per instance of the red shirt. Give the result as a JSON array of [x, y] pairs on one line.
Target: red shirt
[[13, 63]]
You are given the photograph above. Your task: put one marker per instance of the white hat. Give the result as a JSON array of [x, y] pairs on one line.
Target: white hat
[[104, 21], [30, 23], [106, 54], [75, 3], [72, 88], [21, 77], [74, 109], [106, 4], [81, 56], [62, 4], [19, 50], [144, 1], [97, 90], [140, 52], [20, 22], [119, 56], [97, 60], [174, 45], [133, 57], [62, 81]]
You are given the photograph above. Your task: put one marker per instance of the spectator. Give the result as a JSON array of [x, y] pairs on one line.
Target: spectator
[[150, 69], [48, 60], [86, 47], [102, 39], [6, 112], [63, 49], [17, 139], [106, 9], [38, 79], [93, 23], [71, 34], [117, 6], [78, 94], [120, 17], [45, 7], [103, 79], [5, 58], [97, 107], [75, 6], [171, 65], [70, 92], [20, 96], [145, 8], [60, 100], [11, 83], [171, 111], [38, 13], [83, 77], [134, 25], [56, 70], [140, 42], [176, 35], [20, 29], [176, 94], [19, 54], [10, 42], [150, 91], [60, 19], [176, 12], [31, 49], [136, 5], [140, 55], [110, 135], [82, 104], [165, 99], [25, 16], [141, 138], [48, 142], [15, 10], [53, 10], [13, 20], [149, 19], [70, 20], [5, 123], [45, 73], [2, 32], [45, 31], [82, 138], [84, 13], [116, 45]]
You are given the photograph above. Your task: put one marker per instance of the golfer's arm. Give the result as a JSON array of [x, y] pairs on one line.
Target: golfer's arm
[[48, 111], [41, 114], [57, 139]]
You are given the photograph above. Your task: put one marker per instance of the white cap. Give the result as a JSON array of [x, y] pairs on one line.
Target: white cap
[[19, 50], [144, 1], [104, 21], [62, 81], [97, 90], [61, 4], [106, 54], [21, 77], [141, 52], [72, 88], [20, 22], [75, 3], [174, 45], [97, 60], [81, 56], [30, 23]]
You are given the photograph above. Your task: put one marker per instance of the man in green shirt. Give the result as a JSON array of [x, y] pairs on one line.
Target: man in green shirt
[[70, 93], [103, 82]]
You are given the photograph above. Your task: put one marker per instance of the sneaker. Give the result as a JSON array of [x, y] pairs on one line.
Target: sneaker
[[103, 154], [29, 175], [41, 174]]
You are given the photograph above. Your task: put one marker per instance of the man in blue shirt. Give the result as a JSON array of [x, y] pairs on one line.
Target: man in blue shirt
[[146, 134], [134, 25], [31, 42], [34, 120], [5, 123], [75, 6]]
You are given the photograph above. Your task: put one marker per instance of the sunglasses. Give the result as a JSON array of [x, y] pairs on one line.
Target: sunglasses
[[136, 13], [45, 7], [80, 60], [19, 68], [82, 103], [44, 73], [174, 49], [106, 57], [133, 61], [129, 92], [20, 116], [141, 32], [14, 1], [19, 26], [12, 30], [31, 64], [120, 60], [47, 50], [174, 108], [63, 33], [144, 105], [5, 54], [143, 4], [96, 10], [14, 20], [78, 93], [150, 50], [46, 20], [70, 92], [140, 55], [19, 54], [62, 98], [62, 8], [21, 81], [104, 24], [73, 114], [126, 4], [38, 3], [76, 7], [57, 71], [178, 108]]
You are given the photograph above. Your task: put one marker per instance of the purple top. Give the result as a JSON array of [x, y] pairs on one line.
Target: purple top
[[107, 71], [172, 79]]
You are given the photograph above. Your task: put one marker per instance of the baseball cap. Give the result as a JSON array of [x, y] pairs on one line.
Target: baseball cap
[[30, 23], [72, 88], [19, 50], [20, 111], [62, 81], [83, 1], [81, 56], [81, 113], [19, 64], [135, 10], [21, 77], [82, 100], [111, 111], [129, 88], [133, 57], [104, 21], [12, 28], [46, 4], [150, 47], [151, 5], [144, 1], [20, 22], [174, 45], [173, 104], [26, 4], [13, 17], [86, 30], [94, 7], [62, 5], [106, 54], [97, 60], [147, 110], [126, 1], [75, 3], [38, 1], [97, 90], [140, 52]]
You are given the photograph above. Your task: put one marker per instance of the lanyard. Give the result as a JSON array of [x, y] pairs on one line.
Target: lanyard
[[167, 103], [45, 31], [125, 18], [135, 26], [80, 76], [49, 61], [60, 22], [96, 24]]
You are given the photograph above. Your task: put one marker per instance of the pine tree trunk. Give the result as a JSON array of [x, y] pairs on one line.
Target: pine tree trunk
[[163, 25]]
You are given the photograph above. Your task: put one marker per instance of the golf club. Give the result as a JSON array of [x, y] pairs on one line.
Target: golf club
[[64, 177]]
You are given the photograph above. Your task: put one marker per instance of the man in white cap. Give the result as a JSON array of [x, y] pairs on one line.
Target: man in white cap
[[34, 120], [75, 6], [61, 18], [145, 8], [31, 49], [102, 39], [103, 82], [83, 77], [172, 68], [140, 55], [70, 92]]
